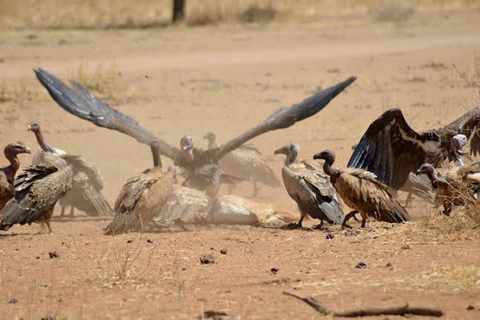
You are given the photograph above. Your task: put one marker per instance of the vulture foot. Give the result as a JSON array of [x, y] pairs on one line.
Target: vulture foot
[[292, 226], [320, 226], [350, 215]]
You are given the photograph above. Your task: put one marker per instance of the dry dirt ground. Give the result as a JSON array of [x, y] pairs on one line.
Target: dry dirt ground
[[192, 80]]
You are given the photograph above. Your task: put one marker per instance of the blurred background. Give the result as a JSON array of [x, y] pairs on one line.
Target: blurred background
[[153, 13]]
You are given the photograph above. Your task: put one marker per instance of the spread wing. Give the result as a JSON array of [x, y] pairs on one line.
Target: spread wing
[[286, 117], [467, 125], [391, 149], [83, 104]]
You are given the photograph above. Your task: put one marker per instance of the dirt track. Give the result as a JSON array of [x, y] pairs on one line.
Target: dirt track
[[180, 80]]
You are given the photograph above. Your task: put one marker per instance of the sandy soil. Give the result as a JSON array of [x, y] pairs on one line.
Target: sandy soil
[[179, 80]]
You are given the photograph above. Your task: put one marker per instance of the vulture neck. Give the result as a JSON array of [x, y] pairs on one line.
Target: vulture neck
[[432, 175], [212, 144], [41, 141], [329, 170], [291, 158], [12, 169], [157, 161]]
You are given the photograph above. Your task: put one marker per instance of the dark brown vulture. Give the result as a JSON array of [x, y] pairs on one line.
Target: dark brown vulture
[[458, 187], [7, 174], [200, 166], [361, 191], [310, 187], [142, 197], [37, 190], [246, 164], [85, 194], [391, 149]]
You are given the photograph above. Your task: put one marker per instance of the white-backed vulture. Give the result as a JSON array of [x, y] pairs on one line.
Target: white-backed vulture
[[310, 187], [7, 174], [86, 193], [246, 164], [200, 166], [361, 191], [391, 149], [141, 197], [37, 190], [457, 187]]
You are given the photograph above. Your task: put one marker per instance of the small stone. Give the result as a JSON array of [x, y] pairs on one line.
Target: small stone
[[223, 251], [149, 241], [129, 241], [470, 308], [37, 257], [53, 254], [13, 301], [207, 259], [329, 236], [274, 270], [361, 265], [389, 265]]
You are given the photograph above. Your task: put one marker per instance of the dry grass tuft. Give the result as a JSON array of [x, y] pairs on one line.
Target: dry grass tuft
[[397, 12], [19, 92], [259, 14]]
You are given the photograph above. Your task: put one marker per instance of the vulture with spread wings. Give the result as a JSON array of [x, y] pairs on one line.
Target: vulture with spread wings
[[200, 166], [391, 149]]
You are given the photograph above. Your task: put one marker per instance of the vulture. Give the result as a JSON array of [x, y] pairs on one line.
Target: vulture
[[142, 197], [85, 194], [391, 149], [310, 187], [7, 174], [455, 188], [361, 191], [200, 167], [246, 164], [37, 190]]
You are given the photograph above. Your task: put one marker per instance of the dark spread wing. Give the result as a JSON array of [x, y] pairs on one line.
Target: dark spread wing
[[85, 105], [37, 191], [391, 149], [286, 117], [467, 125], [80, 165]]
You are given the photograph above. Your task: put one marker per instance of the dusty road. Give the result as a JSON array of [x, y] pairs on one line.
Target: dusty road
[[179, 80]]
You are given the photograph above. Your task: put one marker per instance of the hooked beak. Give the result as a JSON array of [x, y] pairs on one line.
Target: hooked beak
[[282, 150], [317, 156], [29, 127], [27, 150]]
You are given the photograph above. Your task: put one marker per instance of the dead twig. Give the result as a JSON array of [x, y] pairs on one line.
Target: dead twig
[[367, 312], [469, 80]]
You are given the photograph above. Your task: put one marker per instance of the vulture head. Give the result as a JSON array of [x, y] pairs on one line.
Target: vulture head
[[211, 137], [157, 161], [15, 148], [427, 169], [186, 145], [326, 155], [291, 151], [458, 142], [34, 127]]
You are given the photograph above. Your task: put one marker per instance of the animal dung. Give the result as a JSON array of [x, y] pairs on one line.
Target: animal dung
[[329, 236], [53, 255], [274, 270], [223, 251], [13, 301], [207, 259], [361, 265]]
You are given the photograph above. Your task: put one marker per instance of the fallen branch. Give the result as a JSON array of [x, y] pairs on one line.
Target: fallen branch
[[392, 311]]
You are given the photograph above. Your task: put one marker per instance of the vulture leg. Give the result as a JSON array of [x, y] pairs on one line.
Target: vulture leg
[[348, 217], [408, 201], [364, 219], [447, 206], [62, 213], [72, 208], [298, 225], [255, 189], [47, 222], [320, 226]]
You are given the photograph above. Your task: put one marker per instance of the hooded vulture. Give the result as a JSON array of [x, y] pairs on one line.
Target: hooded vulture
[[85, 194], [245, 164], [7, 174], [391, 149], [309, 186], [200, 166], [361, 191], [37, 190], [142, 197], [457, 187]]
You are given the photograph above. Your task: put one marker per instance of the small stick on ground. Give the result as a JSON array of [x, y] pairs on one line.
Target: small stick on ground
[[392, 311]]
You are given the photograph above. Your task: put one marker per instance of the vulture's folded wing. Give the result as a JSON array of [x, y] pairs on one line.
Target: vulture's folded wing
[[286, 117], [391, 149], [83, 104]]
